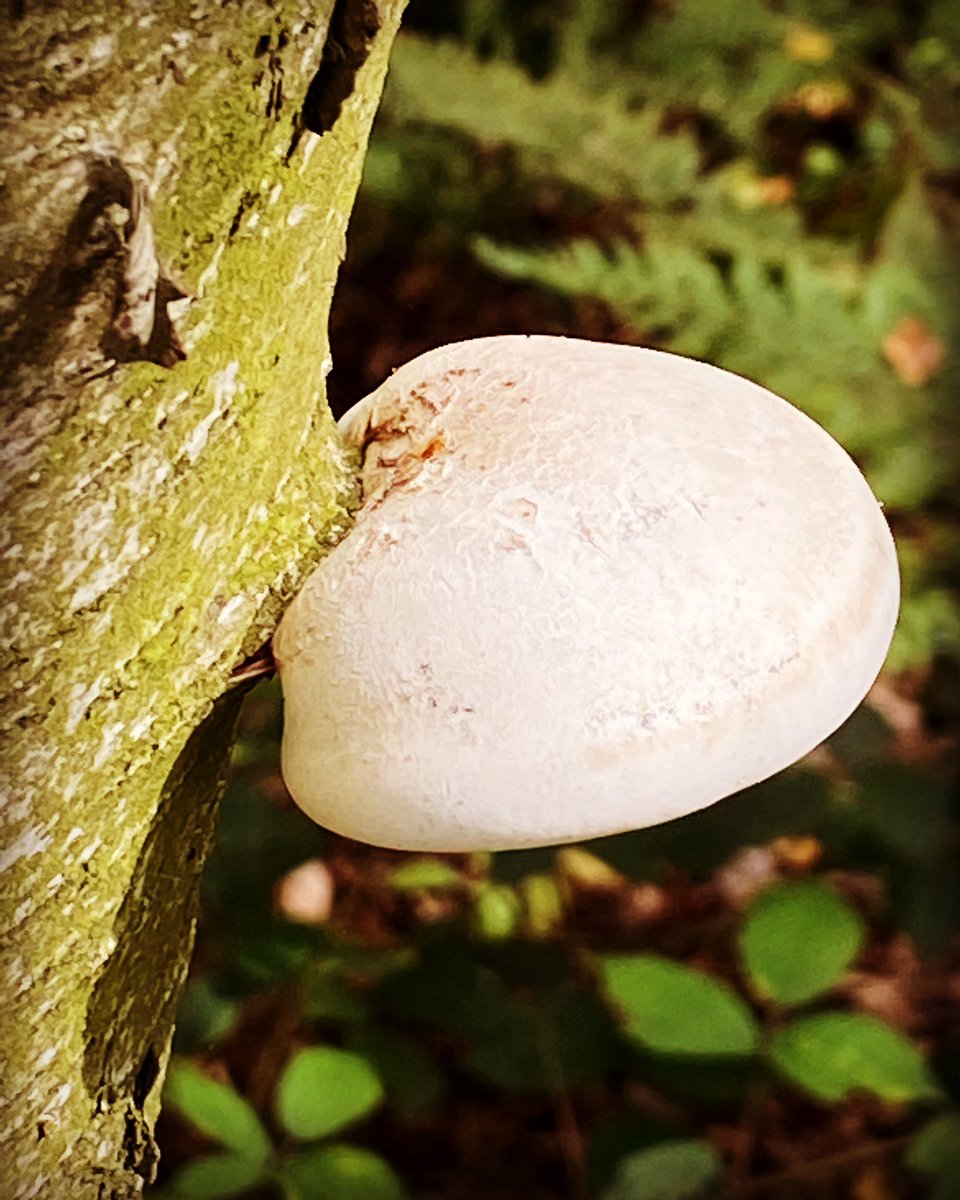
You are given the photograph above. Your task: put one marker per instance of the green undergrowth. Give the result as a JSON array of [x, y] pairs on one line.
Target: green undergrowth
[[771, 960]]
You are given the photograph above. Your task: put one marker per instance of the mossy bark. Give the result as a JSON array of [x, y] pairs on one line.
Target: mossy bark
[[177, 180]]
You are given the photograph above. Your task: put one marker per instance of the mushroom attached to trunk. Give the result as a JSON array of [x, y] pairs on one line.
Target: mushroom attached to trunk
[[591, 588]]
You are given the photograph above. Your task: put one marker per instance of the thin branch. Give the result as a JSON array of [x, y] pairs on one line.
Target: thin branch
[[775, 1184], [257, 666]]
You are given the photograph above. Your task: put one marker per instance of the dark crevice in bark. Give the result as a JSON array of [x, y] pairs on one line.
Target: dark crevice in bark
[[150, 1067], [353, 26], [247, 201]]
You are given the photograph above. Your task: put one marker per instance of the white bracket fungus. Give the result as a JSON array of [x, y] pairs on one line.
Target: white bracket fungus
[[591, 588]]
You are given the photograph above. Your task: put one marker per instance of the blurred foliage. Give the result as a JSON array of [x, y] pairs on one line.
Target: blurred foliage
[[678, 981], [717, 1004], [768, 187]]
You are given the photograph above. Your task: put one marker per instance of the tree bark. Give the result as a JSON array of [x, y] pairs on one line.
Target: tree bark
[[177, 180]]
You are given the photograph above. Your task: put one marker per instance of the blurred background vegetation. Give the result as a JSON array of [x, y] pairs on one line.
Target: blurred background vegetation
[[761, 1000]]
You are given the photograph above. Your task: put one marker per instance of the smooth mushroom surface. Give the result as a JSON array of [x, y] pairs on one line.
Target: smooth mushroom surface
[[591, 588]]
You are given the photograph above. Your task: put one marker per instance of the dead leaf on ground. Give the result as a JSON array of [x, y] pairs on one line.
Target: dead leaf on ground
[[914, 351], [306, 893]]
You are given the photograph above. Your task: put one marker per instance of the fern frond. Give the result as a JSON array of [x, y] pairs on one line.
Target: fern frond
[[594, 142]]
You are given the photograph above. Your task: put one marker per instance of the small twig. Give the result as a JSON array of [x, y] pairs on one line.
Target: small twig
[[775, 1183], [280, 1021], [257, 666], [568, 1130]]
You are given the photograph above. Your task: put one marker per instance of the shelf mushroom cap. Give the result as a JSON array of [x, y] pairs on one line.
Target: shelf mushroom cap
[[591, 588]]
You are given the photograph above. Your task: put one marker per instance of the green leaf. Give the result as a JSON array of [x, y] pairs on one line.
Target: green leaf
[[616, 1136], [542, 905], [323, 1089], [209, 1178], [674, 1009], [217, 1110], [327, 996], [669, 1171], [496, 910], [424, 873], [905, 809], [413, 1079], [264, 951], [204, 1015], [559, 1035], [798, 941], [834, 1054], [340, 1172], [936, 1151]]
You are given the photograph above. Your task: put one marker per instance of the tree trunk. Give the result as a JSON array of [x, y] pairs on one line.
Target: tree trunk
[[177, 180]]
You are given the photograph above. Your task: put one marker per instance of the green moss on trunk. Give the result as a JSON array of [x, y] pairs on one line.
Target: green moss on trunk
[[171, 240]]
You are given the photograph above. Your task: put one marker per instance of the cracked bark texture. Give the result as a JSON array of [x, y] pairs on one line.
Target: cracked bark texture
[[173, 215]]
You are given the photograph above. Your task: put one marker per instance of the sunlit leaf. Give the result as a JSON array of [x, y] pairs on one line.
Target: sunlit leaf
[[675, 1170], [340, 1172], [542, 905], [798, 940], [834, 1054], [676, 1010], [424, 873], [496, 910], [211, 1178], [217, 1110], [323, 1089]]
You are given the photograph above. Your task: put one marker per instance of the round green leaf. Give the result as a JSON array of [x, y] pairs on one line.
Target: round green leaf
[[211, 1178], [833, 1054], [323, 1089], [203, 1017], [424, 873], [935, 1151], [675, 1170], [676, 1010], [798, 941], [496, 911], [341, 1172], [216, 1110]]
